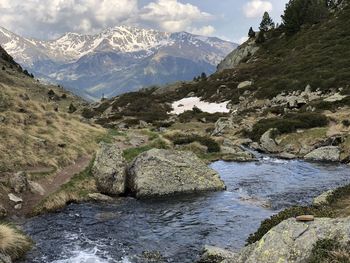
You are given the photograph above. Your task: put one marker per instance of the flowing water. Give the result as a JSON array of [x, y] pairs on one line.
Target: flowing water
[[179, 227]]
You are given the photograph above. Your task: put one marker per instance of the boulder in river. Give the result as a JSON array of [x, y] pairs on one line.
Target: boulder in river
[[293, 241], [268, 143], [165, 172], [327, 153], [109, 169]]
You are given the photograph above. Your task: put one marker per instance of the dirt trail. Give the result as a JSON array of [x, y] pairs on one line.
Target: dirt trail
[[50, 185]]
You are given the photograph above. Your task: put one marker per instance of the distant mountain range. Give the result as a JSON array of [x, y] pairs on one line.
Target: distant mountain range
[[117, 60]]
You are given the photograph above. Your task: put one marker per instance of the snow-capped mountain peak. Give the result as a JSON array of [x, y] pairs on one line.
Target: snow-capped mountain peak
[[93, 62]]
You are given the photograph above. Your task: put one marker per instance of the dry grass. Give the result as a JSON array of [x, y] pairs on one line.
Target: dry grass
[[13, 243], [33, 134]]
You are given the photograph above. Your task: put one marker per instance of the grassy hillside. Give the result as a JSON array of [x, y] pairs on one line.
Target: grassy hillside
[[318, 55], [37, 126]]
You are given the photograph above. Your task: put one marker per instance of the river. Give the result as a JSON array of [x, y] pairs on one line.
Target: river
[[179, 227]]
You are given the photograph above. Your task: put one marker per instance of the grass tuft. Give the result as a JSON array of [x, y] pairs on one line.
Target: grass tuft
[[12, 242]]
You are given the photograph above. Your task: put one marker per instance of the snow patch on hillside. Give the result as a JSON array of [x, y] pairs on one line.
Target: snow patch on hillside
[[187, 104]]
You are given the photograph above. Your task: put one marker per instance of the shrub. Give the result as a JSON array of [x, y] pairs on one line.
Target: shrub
[[346, 123], [295, 211], [131, 122], [88, 113], [210, 143], [199, 115], [330, 250], [289, 123], [51, 93], [72, 108], [338, 194]]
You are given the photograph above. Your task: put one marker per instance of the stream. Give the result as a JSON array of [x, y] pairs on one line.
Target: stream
[[177, 228]]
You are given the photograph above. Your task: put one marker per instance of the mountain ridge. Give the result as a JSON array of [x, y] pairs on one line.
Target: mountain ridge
[[146, 56]]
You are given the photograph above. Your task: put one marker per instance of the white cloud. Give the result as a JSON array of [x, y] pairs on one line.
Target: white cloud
[[256, 8], [173, 16], [204, 31], [51, 17]]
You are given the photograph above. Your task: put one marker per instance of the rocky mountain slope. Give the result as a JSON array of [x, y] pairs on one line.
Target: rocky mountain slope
[[117, 60], [287, 95]]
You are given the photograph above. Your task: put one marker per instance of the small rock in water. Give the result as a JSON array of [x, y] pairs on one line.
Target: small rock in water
[[305, 218]]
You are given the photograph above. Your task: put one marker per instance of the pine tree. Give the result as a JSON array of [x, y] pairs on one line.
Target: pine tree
[[72, 108], [300, 12], [251, 33], [266, 23], [203, 76]]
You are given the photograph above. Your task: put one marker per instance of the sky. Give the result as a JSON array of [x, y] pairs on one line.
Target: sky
[[49, 19]]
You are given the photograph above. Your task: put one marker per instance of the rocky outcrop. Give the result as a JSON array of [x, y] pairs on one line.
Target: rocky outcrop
[[109, 170], [36, 188], [166, 172], [292, 241], [322, 199], [15, 199], [100, 197], [215, 255], [336, 97], [268, 143], [326, 154], [222, 125], [242, 53], [19, 182], [233, 152], [244, 84]]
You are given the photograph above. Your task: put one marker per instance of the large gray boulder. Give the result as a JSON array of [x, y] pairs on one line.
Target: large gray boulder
[[292, 241], [166, 172], [327, 153], [223, 125], [109, 169], [268, 143]]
